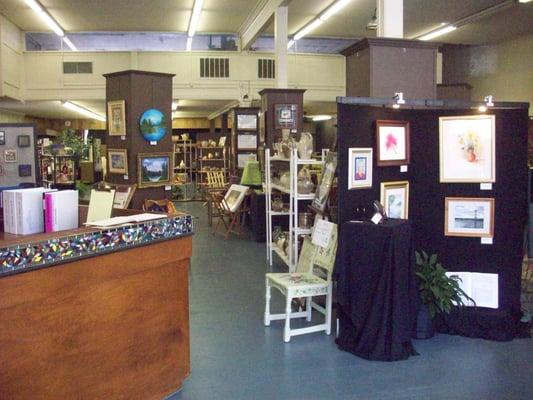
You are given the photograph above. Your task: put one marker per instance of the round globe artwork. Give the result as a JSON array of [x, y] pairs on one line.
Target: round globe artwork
[[153, 125]]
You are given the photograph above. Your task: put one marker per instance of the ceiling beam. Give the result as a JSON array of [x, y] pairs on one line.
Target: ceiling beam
[[224, 109], [257, 20]]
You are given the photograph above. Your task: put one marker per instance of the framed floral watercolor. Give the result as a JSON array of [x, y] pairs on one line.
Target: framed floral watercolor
[[395, 199], [467, 149], [392, 143], [116, 118], [359, 167], [469, 216]]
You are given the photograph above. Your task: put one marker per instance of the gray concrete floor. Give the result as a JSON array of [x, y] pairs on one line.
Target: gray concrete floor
[[233, 356]]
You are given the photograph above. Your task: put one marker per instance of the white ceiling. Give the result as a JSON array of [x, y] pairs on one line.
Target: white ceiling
[[228, 16]]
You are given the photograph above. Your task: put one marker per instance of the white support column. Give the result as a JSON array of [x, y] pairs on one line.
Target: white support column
[[281, 33], [390, 18]]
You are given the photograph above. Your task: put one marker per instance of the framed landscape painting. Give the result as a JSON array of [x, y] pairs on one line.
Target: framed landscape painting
[[118, 161], [359, 167], [395, 199], [154, 169], [247, 122], [469, 216], [467, 149], [116, 118], [392, 143]]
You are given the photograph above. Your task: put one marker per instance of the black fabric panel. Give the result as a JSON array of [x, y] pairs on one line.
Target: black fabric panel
[[356, 128]]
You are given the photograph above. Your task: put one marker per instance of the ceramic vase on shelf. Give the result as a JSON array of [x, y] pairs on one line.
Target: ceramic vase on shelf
[[305, 146], [305, 184]]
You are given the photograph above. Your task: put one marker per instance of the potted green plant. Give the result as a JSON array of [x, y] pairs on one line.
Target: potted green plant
[[439, 293]]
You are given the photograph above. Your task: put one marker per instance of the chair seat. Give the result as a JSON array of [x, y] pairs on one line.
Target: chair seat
[[298, 284]]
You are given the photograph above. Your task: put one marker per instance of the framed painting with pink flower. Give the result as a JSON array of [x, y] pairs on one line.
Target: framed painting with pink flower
[[392, 142], [467, 149]]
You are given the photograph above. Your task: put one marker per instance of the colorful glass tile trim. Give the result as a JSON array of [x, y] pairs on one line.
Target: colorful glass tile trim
[[64, 249]]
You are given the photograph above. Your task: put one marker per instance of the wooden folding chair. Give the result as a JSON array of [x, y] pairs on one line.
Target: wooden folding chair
[[232, 220]]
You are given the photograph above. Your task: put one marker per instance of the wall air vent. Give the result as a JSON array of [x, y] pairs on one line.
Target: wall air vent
[[77, 67], [266, 68], [214, 67]]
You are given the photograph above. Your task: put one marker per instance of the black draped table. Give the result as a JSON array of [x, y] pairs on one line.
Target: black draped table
[[376, 289]]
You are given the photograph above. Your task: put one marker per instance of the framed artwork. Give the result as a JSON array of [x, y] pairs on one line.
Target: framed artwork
[[469, 216], [326, 180], [116, 118], [286, 116], [2, 138], [123, 195], [117, 161], [392, 143], [153, 125], [246, 122], [395, 199], [246, 142], [359, 167], [154, 169], [467, 149], [23, 141], [243, 158], [10, 156], [234, 196], [24, 170]]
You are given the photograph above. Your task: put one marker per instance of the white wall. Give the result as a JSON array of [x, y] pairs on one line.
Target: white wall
[[322, 75], [11, 60]]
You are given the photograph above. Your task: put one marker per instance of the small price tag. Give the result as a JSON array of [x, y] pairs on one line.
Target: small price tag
[[403, 168], [486, 240], [376, 219], [123, 137], [168, 187], [126, 177], [153, 143], [485, 186]]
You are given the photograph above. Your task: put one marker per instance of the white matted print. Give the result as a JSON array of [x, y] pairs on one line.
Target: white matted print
[[234, 196], [395, 199], [468, 216], [467, 148], [359, 167]]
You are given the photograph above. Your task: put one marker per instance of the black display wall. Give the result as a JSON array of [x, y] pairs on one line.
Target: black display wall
[[356, 128]]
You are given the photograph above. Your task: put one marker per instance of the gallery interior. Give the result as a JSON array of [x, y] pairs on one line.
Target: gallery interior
[[266, 199]]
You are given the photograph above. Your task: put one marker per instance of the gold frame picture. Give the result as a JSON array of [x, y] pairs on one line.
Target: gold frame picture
[[153, 169], [465, 216], [116, 118], [123, 153], [395, 208]]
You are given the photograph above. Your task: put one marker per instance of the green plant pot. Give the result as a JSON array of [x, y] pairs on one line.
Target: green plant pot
[[424, 324]]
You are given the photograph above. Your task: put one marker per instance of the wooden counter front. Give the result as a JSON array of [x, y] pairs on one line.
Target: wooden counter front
[[112, 326]]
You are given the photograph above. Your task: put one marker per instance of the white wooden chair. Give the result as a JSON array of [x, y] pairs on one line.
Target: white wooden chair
[[305, 283]]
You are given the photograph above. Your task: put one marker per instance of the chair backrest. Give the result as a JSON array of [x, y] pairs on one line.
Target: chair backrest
[[216, 179]]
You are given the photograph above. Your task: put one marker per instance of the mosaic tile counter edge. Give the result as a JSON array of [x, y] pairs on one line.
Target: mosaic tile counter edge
[[36, 255]]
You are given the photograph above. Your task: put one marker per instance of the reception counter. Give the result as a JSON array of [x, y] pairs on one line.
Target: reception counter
[[96, 313]]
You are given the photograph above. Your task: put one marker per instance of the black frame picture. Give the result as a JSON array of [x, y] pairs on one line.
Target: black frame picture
[[286, 116], [24, 170], [23, 141]]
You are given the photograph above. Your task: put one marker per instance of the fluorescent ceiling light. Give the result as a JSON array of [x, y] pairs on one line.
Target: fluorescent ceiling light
[[195, 17], [524, 1], [69, 43], [189, 43], [333, 9], [290, 43], [438, 32], [482, 108], [308, 28], [175, 105], [83, 111], [321, 117], [324, 16], [35, 6]]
